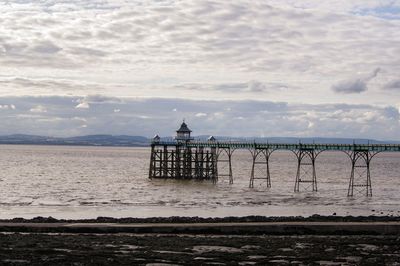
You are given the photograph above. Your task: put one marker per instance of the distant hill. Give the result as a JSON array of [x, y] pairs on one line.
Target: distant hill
[[89, 140], [126, 141]]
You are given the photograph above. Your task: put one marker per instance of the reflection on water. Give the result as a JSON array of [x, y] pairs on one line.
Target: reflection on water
[[86, 182]]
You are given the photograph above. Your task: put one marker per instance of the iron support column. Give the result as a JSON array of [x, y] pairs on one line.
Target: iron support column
[[265, 153], [360, 160], [306, 159]]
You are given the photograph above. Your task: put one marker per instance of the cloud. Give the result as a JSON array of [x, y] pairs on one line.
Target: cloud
[[251, 76], [83, 105], [350, 86], [392, 85], [38, 109], [98, 98], [200, 115], [223, 117], [356, 85], [145, 48], [7, 107], [85, 102], [251, 86]]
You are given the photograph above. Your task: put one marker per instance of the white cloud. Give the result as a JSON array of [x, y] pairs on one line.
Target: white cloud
[[7, 107], [80, 119], [38, 109], [83, 105], [200, 114]]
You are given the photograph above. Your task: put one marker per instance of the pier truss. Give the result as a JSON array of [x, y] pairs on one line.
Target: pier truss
[[260, 160], [360, 177], [224, 163], [210, 160]]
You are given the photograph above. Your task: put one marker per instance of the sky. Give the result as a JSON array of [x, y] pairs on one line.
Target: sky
[[252, 68]]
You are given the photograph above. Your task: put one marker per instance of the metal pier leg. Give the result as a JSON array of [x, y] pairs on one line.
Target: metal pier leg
[[301, 155], [360, 160], [297, 182], [369, 183], [351, 182], [268, 173], [265, 153], [230, 168], [228, 160], [254, 155]]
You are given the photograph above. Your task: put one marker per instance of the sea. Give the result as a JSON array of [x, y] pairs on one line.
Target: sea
[[78, 182]]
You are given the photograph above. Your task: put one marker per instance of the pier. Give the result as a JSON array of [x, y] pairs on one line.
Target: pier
[[184, 158]]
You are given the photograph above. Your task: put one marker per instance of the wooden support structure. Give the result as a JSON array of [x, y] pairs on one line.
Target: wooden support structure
[[182, 162]]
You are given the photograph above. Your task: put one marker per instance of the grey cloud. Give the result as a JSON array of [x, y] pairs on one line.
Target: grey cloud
[[45, 86], [356, 85], [391, 113], [46, 47], [350, 86], [392, 85], [252, 86], [98, 98], [373, 74]]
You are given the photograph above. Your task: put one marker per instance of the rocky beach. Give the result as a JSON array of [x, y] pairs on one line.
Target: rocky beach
[[46, 241]]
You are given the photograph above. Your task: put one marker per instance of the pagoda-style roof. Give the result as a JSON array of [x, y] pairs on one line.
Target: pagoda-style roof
[[211, 138], [184, 128]]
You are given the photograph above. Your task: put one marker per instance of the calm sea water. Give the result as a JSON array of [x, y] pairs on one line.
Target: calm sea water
[[86, 182]]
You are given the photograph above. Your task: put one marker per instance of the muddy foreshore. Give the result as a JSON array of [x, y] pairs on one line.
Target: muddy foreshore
[[49, 248], [153, 249]]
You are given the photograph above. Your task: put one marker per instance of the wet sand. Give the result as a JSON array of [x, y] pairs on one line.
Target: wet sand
[[42, 246]]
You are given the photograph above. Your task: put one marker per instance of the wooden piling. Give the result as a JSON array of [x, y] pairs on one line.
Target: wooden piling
[[182, 162]]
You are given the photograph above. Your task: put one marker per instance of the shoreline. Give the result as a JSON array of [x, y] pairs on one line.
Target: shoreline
[[250, 225], [197, 219]]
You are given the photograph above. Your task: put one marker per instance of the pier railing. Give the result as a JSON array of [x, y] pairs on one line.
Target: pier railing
[[284, 146]]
